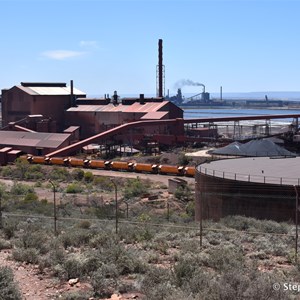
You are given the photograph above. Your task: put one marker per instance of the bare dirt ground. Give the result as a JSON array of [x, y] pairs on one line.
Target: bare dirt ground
[[33, 285]]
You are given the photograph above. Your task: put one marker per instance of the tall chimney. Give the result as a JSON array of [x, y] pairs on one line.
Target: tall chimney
[[72, 93], [160, 71]]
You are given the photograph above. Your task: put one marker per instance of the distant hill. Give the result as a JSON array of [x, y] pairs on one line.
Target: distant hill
[[234, 95], [259, 95]]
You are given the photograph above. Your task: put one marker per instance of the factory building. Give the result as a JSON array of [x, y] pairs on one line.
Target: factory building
[[36, 143], [35, 98], [259, 187], [98, 118], [56, 108]]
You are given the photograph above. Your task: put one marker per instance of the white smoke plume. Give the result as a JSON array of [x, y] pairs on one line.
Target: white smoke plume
[[184, 82]]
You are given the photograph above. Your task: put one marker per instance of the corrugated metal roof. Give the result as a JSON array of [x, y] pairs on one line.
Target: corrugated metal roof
[[156, 115], [32, 139], [135, 107], [50, 90]]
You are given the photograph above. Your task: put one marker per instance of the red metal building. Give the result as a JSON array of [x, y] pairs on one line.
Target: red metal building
[[32, 98]]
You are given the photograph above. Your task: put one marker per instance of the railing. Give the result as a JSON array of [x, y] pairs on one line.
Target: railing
[[249, 177]]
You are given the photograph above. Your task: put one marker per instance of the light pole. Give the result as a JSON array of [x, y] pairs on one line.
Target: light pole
[[296, 221], [54, 206], [1, 223], [116, 204]]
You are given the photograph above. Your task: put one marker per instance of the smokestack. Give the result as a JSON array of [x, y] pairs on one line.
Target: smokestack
[[142, 99], [160, 71], [72, 94]]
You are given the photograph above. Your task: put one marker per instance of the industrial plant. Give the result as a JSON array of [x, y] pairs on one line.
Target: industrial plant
[[52, 122]]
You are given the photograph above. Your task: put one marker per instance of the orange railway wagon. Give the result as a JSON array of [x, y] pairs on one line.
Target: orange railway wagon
[[190, 171], [60, 161], [99, 164], [121, 165], [36, 159], [172, 170], [78, 162], [145, 168]]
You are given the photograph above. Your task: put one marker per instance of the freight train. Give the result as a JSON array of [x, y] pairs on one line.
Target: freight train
[[113, 165]]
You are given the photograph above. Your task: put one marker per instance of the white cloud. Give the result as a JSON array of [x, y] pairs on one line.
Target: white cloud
[[62, 54], [89, 44]]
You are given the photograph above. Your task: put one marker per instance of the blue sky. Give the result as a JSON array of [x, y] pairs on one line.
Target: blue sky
[[243, 46]]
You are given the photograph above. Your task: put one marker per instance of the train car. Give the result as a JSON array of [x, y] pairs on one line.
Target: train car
[[145, 168], [121, 165], [171, 170], [78, 162], [36, 159], [60, 161], [99, 164], [190, 171]]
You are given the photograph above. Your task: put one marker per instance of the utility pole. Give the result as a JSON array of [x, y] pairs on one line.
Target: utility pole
[[116, 203], [54, 206], [296, 221]]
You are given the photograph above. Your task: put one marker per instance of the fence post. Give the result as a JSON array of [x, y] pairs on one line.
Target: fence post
[[54, 206], [296, 221]]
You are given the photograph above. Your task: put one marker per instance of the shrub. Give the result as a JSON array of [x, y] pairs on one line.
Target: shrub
[[4, 244], [84, 224], [88, 176], [21, 189], [74, 188], [156, 283], [183, 193], [103, 285], [126, 261], [183, 160], [135, 188], [34, 172], [9, 228], [78, 174], [76, 237], [6, 171], [73, 266], [225, 258], [76, 295], [29, 255], [103, 183], [9, 290], [59, 174], [31, 197]]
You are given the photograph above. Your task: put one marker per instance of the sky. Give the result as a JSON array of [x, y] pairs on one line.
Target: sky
[[103, 46]]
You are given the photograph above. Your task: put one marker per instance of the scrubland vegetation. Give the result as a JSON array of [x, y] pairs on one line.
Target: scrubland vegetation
[[154, 255]]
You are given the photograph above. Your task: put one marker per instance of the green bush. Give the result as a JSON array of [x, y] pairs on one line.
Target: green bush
[[73, 266], [88, 176], [77, 295], [6, 171], [78, 174], [103, 285], [135, 188], [157, 283], [9, 290], [183, 193], [225, 258], [29, 255], [9, 228], [4, 244], [103, 183], [74, 188], [183, 160], [21, 189], [76, 237], [59, 174]]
